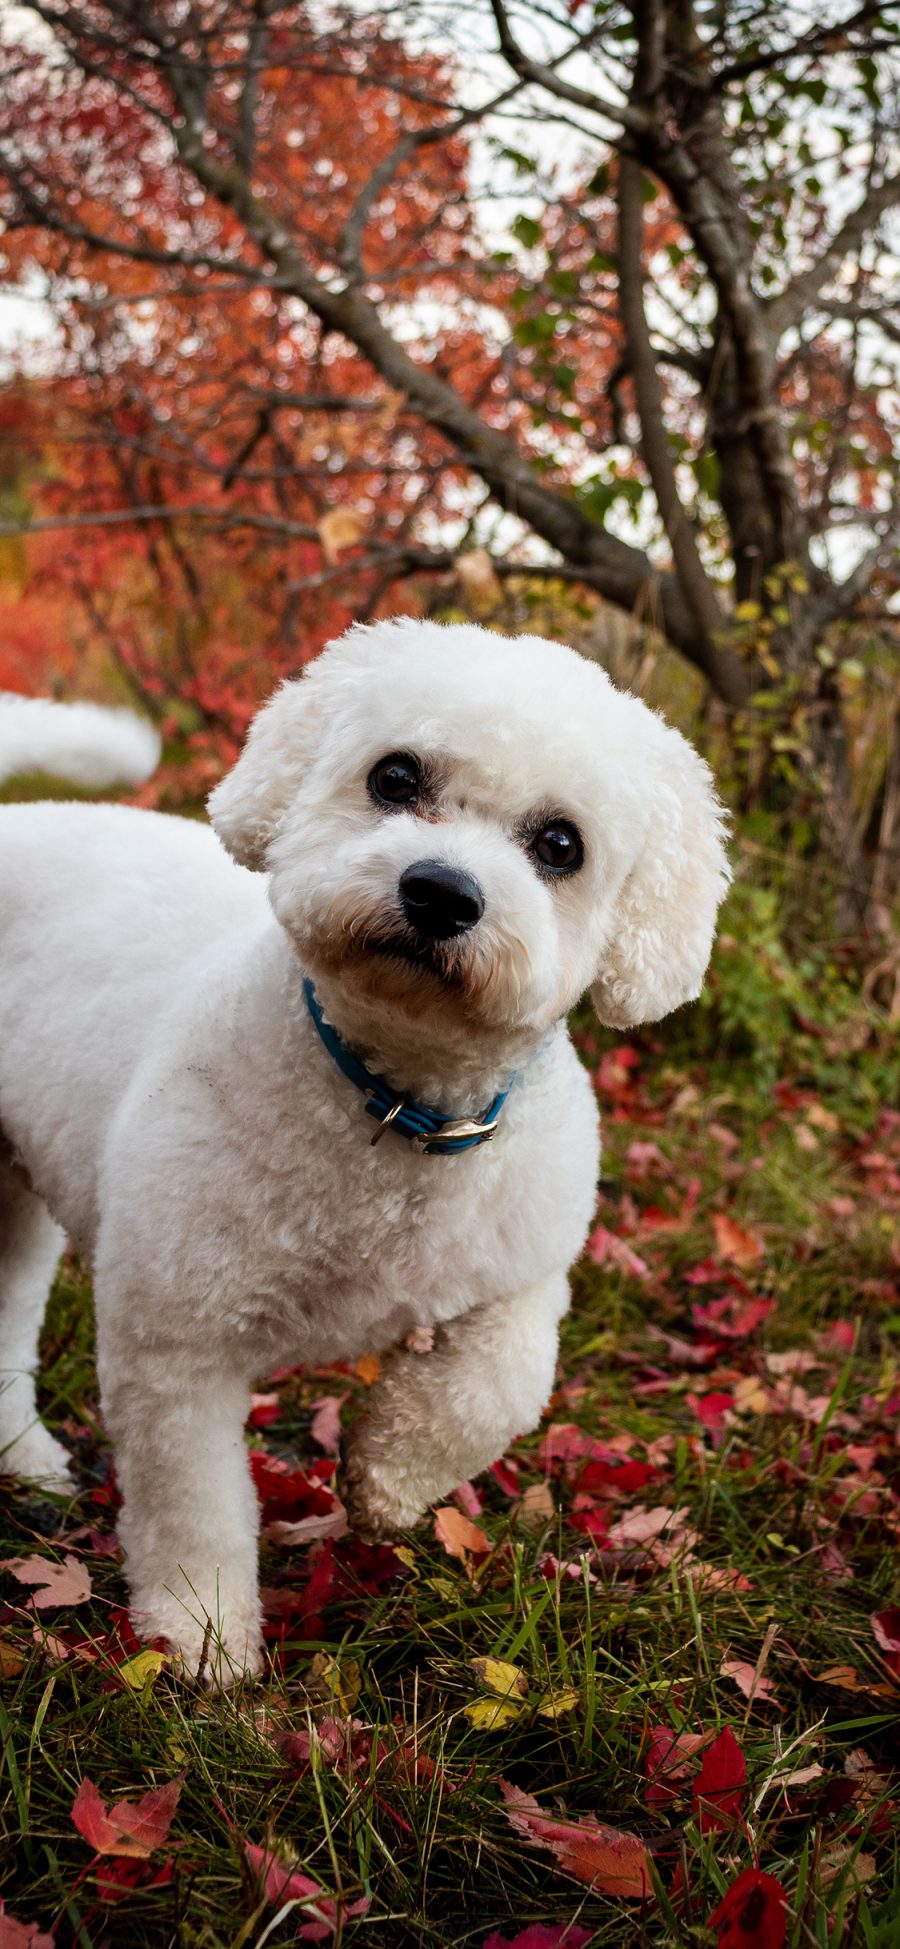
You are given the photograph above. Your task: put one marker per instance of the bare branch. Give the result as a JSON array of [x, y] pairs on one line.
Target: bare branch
[[790, 304], [700, 593]]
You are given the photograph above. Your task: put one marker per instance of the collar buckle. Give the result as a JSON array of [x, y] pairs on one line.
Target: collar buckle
[[462, 1130]]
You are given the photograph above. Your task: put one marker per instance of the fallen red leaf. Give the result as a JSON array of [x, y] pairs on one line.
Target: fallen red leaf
[[752, 1914], [60, 1583], [21, 1935], [325, 1427], [126, 1827], [606, 1857], [606, 1248], [719, 1787], [732, 1316], [467, 1498], [280, 1882], [711, 1410], [667, 1762], [116, 1880], [543, 1935], [886, 1626]]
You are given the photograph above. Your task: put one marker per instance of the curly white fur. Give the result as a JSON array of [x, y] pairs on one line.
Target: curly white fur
[[165, 1096], [83, 743]]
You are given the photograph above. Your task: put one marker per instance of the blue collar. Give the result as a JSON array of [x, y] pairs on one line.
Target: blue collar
[[403, 1113]]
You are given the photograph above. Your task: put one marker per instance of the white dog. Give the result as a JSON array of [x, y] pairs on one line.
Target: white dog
[[293, 1112]]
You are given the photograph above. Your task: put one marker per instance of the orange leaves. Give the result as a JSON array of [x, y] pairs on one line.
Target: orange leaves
[[126, 1827], [606, 1857], [339, 530], [742, 1247], [459, 1536]]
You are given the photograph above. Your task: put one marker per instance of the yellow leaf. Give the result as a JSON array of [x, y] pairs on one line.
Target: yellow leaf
[[144, 1667], [338, 530], [403, 1555], [747, 612], [490, 1715], [11, 1660], [340, 1683], [554, 1704], [499, 1677], [444, 1588], [750, 1396]]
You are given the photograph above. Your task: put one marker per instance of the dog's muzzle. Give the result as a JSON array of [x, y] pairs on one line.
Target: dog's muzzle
[[440, 901]]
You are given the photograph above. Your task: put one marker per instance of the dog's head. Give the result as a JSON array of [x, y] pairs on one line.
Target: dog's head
[[476, 829]]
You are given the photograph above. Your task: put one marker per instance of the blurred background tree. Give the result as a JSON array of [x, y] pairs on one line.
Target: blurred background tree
[[579, 317]]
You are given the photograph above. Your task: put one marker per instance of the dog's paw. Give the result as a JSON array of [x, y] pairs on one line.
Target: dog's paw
[[215, 1657], [216, 1666], [379, 1504], [37, 1457]]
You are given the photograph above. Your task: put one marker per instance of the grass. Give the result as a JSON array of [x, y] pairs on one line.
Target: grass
[[363, 1756]]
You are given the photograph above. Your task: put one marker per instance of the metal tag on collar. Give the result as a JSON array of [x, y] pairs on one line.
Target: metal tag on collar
[[393, 1112], [465, 1129]]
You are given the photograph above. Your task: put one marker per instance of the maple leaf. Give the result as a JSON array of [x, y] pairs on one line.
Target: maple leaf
[[732, 1316], [606, 1248], [60, 1583], [745, 1676], [752, 1913], [667, 1762], [543, 1935], [734, 1242], [641, 1526], [460, 1538], [116, 1879], [607, 1857], [125, 1827], [718, 1791], [282, 1882], [21, 1935]]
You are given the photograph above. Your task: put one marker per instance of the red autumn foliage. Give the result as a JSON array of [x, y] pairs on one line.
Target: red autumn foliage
[[667, 1763], [718, 1792], [753, 1913], [126, 1827], [607, 1857]]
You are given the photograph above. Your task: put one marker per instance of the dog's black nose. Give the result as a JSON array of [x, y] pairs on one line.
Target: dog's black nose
[[440, 901]]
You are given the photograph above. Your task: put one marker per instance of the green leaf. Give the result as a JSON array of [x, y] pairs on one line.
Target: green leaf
[[527, 230]]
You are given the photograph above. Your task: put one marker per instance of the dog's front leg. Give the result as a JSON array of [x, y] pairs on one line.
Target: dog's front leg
[[189, 1520], [435, 1419]]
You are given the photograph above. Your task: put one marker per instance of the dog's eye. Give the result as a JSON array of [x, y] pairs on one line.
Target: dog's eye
[[558, 846], [395, 780]]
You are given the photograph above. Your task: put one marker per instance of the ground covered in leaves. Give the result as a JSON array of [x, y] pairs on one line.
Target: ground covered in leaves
[[637, 1685]]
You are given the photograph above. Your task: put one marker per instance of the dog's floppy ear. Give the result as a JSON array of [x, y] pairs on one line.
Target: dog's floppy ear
[[662, 932], [247, 808]]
